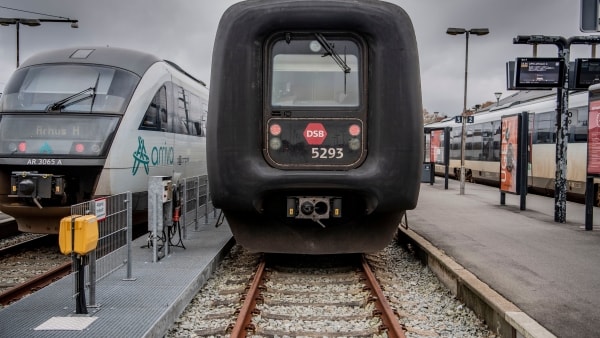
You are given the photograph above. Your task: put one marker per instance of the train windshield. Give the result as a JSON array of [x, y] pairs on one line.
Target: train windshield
[[314, 71], [100, 89]]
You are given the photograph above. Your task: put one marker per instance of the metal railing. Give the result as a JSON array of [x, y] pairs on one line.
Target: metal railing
[[196, 203], [114, 240], [114, 214]]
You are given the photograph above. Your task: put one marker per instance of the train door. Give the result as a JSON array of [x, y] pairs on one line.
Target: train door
[[315, 111]]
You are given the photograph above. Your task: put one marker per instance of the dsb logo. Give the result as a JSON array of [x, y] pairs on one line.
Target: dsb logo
[[315, 133]]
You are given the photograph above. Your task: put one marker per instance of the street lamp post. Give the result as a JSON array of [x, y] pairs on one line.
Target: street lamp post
[[498, 95], [458, 31], [32, 23]]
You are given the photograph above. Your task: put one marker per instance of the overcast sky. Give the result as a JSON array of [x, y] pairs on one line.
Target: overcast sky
[[183, 31]]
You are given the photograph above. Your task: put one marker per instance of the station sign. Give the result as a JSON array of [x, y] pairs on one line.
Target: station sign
[[459, 119]]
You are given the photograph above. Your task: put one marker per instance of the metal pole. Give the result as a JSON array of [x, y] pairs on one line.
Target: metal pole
[[446, 156], [562, 118], [92, 278], [183, 207], [206, 200], [589, 203], [128, 205], [523, 158], [155, 230], [464, 121], [17, 24]]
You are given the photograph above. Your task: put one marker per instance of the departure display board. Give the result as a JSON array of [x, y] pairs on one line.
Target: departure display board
[[587, 73], [540, 73]]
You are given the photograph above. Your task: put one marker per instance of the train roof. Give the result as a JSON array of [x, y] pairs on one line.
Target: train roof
[[523, 101], [131, 60]]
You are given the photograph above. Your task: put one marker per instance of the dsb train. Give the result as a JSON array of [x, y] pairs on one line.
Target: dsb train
[[315, 128], [482, 146], [80, 123]]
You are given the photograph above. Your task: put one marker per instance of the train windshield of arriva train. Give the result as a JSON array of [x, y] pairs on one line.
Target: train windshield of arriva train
[[39, 88], [311, 71]]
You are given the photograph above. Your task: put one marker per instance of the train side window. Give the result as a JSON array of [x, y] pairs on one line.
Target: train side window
[[155, 117], [497, 131], [477, 142], [181, 111], [545, 128], [487, 150], [195, 114], [469, 143], [578, 128], [455, 140]]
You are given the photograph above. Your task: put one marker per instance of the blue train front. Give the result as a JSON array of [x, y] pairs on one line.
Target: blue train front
[[314, 138]]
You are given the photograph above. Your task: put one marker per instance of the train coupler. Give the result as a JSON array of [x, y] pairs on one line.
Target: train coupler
[[314, 208], [31, 184]]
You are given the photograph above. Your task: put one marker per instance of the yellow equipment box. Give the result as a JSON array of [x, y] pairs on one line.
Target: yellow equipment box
[[86, 234]]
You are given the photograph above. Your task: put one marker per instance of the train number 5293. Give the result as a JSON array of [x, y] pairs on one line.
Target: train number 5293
[[327, 153]]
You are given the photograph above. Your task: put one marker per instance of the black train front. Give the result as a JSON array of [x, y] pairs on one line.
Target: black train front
[[315, 127]]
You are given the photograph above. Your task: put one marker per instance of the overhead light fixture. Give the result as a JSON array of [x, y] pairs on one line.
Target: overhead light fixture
[[29, 22], [7, 21]]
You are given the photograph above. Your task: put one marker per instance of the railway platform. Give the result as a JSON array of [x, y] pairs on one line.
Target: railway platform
[[540, 276], [143, 307]]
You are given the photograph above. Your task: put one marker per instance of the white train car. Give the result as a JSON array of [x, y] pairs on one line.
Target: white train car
[[482, 146], [81, 123]]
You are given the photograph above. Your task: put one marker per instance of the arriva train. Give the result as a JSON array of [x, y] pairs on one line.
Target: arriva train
[[315, 128], [80, 123], [482, 146]]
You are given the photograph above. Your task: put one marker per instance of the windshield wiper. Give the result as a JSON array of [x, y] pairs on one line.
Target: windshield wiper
[[75, 98], [331, 52]]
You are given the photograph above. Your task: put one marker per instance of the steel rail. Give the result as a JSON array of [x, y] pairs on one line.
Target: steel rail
[[387, 314], [245, 315]]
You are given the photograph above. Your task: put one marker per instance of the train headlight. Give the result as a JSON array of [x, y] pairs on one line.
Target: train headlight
[[79, 147], [275, 129], [354, 143], [275, 143], [354, 130]]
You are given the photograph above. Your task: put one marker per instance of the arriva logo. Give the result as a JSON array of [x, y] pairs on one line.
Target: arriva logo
[[163, 155]]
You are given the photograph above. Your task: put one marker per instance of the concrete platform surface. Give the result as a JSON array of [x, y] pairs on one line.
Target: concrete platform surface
[[550, 270]]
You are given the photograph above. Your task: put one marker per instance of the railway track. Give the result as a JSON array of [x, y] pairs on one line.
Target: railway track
[[19, 291], [334, 296], [28, 265], [339, 301]]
